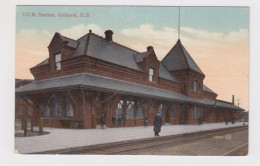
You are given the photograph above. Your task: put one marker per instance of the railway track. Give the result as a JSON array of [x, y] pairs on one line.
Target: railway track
[[133, 146], [238, 151]]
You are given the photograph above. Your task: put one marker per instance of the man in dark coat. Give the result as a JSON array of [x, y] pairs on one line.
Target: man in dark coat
[[157, 124], [113, 121], [102, 121]]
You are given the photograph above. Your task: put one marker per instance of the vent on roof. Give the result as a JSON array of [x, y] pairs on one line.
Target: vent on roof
[[109, 35]]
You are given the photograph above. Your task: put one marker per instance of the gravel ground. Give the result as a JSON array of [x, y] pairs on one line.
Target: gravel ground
[[215, 146]]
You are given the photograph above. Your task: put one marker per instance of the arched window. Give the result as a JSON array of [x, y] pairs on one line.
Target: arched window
[[130, 110], [119, 110], [56, 106], [195, 111], [173, 112], [69, 109], [183, 111], [140, 112], [46, 110]]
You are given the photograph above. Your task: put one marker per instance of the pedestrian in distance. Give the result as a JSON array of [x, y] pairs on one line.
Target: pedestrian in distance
[[226, 121], [145, 121], [157, 124], [113, 121], [119, 121], [200, 120], [102, 121]]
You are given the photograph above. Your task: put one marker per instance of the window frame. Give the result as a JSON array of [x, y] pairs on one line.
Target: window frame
[[195, 111], [151, 75], [20, 110], [56, 68]]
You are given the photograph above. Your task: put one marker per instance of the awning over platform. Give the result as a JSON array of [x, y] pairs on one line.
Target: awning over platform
[[100, 83]]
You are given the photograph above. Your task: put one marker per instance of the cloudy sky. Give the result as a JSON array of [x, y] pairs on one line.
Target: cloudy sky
[[217, 38]]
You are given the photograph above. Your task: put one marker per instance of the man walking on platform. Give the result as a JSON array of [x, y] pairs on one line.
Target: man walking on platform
[[157, 124]]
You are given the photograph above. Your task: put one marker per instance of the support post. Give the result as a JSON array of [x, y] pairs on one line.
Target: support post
[[32, 125], [25, 128], [41, 127]]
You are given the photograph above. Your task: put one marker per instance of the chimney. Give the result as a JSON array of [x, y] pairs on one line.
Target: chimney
[[109, 35], [149, 48], [233, 99]]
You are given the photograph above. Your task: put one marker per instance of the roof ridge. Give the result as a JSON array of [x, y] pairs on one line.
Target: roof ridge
[[116, 43], [191, 59], [184, 54]]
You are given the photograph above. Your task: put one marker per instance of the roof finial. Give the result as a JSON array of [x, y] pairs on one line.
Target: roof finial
[[179, 23]]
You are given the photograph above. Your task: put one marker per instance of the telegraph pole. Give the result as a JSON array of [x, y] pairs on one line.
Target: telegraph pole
[[238, 103]]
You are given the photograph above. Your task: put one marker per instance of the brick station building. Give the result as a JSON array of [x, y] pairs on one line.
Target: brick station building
[[92, 75]]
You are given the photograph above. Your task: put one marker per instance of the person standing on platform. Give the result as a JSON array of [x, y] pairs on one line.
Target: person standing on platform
[[119, 121], [113, 121], [200, 120], [145, 122], [226, 121], [157, 124], [102, 121]]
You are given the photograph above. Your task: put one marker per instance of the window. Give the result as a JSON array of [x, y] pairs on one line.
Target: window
[[46, 110], [57, 64], [30, 110], [151, 74], [183, 111], [119, 110], [69, 109], [195, 86], [130, 110], [20, 111], [160, 109], [56, 106], [195, 111], [173, 112], [140, 112]]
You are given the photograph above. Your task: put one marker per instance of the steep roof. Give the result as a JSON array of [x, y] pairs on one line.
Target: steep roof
[[178, 58], [205, 88]]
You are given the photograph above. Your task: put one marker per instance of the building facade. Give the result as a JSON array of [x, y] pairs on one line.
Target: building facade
[[84, 78]]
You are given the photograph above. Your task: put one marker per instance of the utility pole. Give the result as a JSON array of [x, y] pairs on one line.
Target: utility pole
[[238, 103]]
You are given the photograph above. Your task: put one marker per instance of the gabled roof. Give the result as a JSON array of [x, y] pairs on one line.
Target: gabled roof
[[178, 58], [164, 73], [71, 43], [205, 88], [139, 57]]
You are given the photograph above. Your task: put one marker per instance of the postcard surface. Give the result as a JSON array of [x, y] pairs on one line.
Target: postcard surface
[[133, 80]]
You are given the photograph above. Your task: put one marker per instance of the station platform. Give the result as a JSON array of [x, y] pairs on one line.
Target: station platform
[[70, 138]]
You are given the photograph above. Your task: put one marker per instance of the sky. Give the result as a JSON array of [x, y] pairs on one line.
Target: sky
[[217, 38]]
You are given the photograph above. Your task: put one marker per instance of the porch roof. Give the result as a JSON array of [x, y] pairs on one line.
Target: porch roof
[[100, 83]]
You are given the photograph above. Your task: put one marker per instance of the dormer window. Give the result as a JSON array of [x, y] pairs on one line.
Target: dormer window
[[57, 65], [195, 86], [151, 75]]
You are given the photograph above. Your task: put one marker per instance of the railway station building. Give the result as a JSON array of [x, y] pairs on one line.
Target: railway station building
[[86, 77]]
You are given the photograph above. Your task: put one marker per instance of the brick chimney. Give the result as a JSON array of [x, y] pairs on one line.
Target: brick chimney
[[233, 99], [109, 35], [149, 48]]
